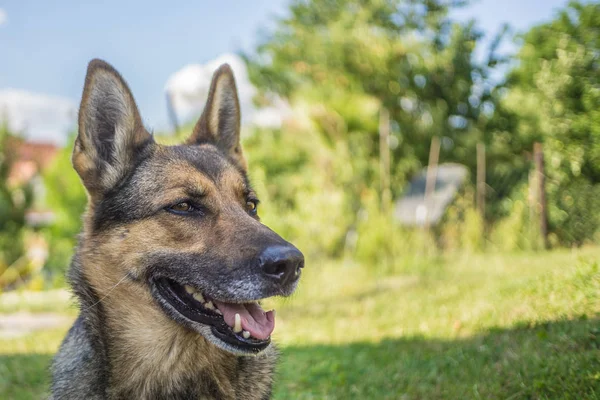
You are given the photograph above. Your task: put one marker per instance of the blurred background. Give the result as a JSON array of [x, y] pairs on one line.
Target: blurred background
[[437, 161]]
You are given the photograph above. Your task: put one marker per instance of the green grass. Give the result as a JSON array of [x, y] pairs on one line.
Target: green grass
[[34, 302], [553, 360], [471, 327]]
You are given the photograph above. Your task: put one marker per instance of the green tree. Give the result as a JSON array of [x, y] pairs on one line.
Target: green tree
[[408, 55], [339, 62], [554, 97], [14, 201], [67, 198]]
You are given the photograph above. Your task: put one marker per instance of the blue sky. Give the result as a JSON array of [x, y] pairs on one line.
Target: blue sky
[[46, 45]]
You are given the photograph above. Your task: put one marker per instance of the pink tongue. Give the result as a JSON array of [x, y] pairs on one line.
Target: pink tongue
[[254, 319]]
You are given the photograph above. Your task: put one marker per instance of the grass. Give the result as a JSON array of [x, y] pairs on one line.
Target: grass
[[482, 326], [35, 302]]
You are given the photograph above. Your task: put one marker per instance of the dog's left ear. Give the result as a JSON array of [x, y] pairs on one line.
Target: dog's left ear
[[111, 134], [220, 120]]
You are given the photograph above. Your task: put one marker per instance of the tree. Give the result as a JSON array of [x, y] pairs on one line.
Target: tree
[[341, 61], [14, 201], [407, 55], [554, 97], [67, 198]]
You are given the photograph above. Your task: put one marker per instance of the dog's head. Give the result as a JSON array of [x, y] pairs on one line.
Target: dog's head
[[180, 222]]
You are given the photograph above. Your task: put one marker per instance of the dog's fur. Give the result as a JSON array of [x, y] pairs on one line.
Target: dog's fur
[[126, 343]]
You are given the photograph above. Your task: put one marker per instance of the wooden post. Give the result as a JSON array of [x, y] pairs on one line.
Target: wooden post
[[172, 113], [538, 157], [481, 181], [434, 155], [384, 159], [532, 202]]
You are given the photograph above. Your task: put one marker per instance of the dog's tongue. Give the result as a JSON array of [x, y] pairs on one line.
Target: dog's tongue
[[260, 324]]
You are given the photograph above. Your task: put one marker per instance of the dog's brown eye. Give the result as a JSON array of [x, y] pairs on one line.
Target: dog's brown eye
[[182, 207], [251, 206], [185, 208]]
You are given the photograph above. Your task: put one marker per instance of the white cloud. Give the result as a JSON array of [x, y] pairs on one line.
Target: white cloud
[[38, 117], [3, 16], [190, 85]]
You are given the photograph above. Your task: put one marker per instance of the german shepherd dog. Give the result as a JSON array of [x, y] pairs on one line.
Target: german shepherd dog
[[172, 261]]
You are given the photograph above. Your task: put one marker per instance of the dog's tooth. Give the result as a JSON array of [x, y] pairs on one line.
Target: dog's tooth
[[198, 296], [189, 289], [270, 315], [246, 334], [210, 305], [237, 327], [218, 311]]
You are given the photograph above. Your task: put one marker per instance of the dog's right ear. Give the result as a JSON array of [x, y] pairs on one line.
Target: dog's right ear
[[111, 133], [220, 121]]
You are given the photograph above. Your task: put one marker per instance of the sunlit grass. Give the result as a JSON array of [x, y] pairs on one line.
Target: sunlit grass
[[476, 326], [462, 297], [59, 300]]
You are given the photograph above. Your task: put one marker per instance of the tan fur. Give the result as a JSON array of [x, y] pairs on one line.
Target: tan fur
[[147, 347], [146, 350]]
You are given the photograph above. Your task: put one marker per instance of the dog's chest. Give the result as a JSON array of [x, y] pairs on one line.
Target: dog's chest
[[191, 371], [203, 386]]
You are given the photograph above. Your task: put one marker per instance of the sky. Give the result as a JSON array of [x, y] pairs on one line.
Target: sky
[[45, 46]]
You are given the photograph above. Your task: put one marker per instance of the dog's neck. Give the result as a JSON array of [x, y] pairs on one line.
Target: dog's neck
[[159, 356], [148, 355]]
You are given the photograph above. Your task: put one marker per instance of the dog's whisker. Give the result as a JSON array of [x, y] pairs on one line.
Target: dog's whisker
[[108, 292]]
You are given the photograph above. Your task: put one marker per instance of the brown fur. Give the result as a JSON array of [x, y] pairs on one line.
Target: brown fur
[[136, 348]]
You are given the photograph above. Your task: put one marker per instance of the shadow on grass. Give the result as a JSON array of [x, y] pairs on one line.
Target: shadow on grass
[[553, 360], [24, 376]]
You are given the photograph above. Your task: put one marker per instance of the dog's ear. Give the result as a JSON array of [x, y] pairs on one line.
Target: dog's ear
[[111, 133], [220, 120]]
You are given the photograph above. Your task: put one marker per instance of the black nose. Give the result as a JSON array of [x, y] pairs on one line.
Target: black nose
[[282, 263]]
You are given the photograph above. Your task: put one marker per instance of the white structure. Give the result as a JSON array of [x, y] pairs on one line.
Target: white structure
[[39, 117], [189, 87], [413, 210]]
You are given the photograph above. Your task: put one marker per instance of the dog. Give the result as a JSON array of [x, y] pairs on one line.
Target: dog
[[172, 260]]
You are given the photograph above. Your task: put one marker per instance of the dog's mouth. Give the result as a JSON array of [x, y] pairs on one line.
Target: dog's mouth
[[245, 326]]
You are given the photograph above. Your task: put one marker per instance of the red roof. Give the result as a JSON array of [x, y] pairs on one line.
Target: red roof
[[30, 159]]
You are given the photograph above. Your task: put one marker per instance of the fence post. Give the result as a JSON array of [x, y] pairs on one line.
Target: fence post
[[481, 183], [532, 202], [384, 159], [538, 157], [434, 155]]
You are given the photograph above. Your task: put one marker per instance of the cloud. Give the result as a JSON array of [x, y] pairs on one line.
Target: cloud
[[38, 117], [3, 16], [189, 88]]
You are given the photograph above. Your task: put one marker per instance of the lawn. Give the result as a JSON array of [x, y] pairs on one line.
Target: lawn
[[520, 326]]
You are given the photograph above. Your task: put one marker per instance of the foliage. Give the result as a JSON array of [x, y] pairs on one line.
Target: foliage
[[462, 226], [297, 200], [519, 229], [15, 198], [339, 62], [388, 247], [554, 97], [67, 198], [348, 59], [575, 212]]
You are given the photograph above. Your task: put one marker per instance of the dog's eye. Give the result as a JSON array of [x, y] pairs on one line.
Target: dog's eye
[[183, 207], [252, 206]]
